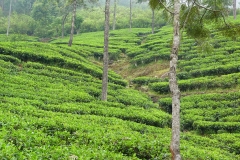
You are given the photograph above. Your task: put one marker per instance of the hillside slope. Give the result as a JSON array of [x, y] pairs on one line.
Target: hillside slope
[[50, 106]]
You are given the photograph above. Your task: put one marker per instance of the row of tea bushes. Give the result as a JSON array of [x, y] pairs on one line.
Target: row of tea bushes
[[205, 101], [230, 141], [206, 60], [59, 85], [36, 123], [45, 135], [77, 86], [150, 56], [216, 127], [202, 83], [210, 71], [29, 132], [119, 42], [207, 113], [147, 80], [26, 52]]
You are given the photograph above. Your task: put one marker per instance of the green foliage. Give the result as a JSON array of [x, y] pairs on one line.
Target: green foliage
[[50, 113], [121, 41], [49, 135], [3, 25], [17, 37], [51, 109], [141, 18], [231, 30], [10, 59], [229, 141], [22, 24], [131, 97], [55, 56], [146, 80], [225, 81], [44, 18], [208, 112], [150, 48], [214, 127]]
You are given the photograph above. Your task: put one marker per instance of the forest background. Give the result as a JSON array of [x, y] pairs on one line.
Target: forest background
[[44, 19]]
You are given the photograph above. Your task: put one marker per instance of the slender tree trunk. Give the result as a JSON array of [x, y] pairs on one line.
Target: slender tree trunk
[[153, 21], [73, 22], [234, 9], [114, 14], [63, 23], [9, 17], [175, 142], [130, 18], [105, 55]]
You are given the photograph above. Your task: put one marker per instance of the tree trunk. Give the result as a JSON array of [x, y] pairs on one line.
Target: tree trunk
[[73, 22], [114, 14], [153, 21], [175, 142], [130, 18], [234, 9], [63, 23], [105, 55], [9, 17]]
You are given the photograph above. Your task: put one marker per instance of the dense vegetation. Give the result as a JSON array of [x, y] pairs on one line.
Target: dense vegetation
[[44, 18], [50, 104]]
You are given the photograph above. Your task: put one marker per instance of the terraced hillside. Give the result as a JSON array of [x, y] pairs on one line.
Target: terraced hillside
[[50, 104], [209, 82]]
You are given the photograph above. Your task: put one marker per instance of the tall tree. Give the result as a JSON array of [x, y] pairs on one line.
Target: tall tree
[[9, 17], [64, 11], [175, 143], [44, 13], [234, 8], [75, 3], [64, 17], [114, 14], [153, 14], [73, 22], [105, 55]]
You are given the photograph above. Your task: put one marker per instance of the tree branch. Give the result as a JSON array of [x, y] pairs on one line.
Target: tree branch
[[224, 20], [166, 8], [212, 10], [209, 9], [203, 16], [185, 21]]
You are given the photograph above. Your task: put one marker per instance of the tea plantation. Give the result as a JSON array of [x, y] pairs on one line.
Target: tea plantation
[[50, 105]]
